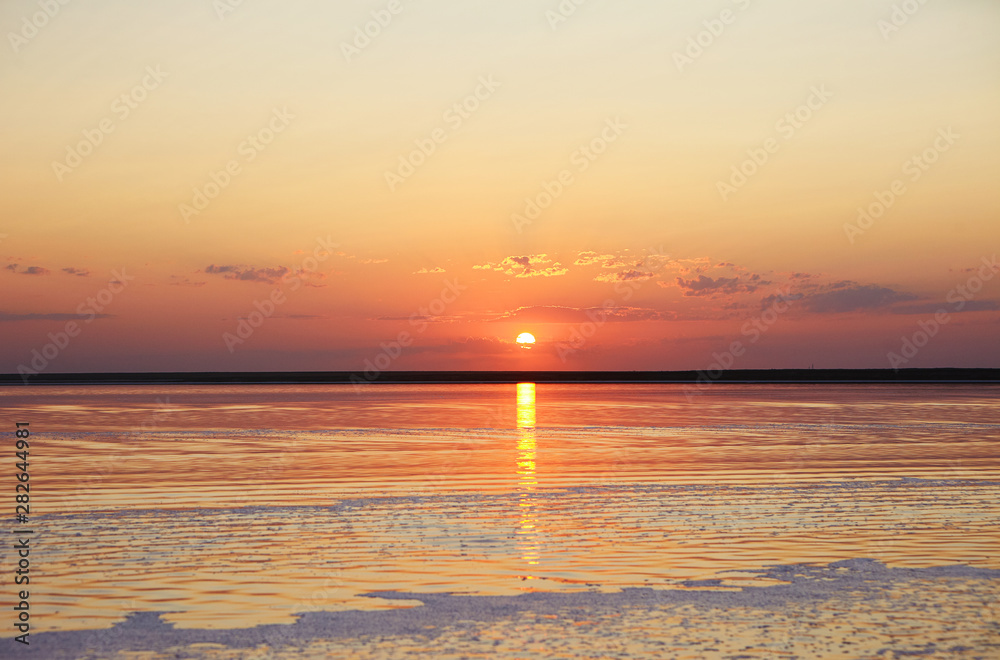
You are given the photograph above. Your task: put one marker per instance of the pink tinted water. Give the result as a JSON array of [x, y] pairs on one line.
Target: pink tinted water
[[238, 505]]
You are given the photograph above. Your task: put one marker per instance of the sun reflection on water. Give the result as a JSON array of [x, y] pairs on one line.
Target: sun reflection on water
[[527, 469]]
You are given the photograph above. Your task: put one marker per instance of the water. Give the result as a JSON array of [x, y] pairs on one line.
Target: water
[[236, 506]]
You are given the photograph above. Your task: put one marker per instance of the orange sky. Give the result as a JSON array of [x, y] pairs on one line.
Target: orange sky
[[638, 185]]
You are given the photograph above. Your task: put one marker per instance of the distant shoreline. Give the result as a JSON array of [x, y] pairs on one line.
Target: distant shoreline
[[746, 376]]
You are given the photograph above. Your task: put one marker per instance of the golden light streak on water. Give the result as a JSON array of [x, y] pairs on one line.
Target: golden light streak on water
[[527, 473]]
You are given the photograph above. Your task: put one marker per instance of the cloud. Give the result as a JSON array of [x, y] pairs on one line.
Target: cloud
[[710, 287], [935, 307], [249, 273], [534, 265], [631, 266], [368, 262], [40, 270], [9, 317], [184, 281], [415, 318], [561, 314], [79, 272], [650, 259], [432, 271], [787, 296], [847, 296], [555, 270], [695, 265], [592, 258], [30, 270], [625, 276]]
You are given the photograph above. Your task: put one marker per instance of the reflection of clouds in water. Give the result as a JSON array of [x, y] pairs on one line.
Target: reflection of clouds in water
[[527, 478]]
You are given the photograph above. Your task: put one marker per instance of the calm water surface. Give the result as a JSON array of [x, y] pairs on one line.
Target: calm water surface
[[232, 506]]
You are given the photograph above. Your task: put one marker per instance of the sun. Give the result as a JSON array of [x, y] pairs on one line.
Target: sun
[[526, 340]]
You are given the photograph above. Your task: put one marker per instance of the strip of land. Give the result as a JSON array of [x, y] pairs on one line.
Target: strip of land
[[945, 375]]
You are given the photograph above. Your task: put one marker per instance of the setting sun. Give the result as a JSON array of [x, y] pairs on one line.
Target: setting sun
[[759, 241]]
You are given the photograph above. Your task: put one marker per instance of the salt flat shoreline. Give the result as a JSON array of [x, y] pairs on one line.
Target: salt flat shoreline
[[748, 376], [801, 588], [803, 608]]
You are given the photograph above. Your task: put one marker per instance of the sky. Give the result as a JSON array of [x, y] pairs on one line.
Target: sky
[[227, 185]]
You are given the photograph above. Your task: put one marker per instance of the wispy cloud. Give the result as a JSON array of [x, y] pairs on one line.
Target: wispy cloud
[[30, 270], [624, 261], [176, 280], [534, 265], [10, 317], [562, 314], [249, 273], [593, 258], [704, 286], [847, 296], [631, 275], [934, 307]]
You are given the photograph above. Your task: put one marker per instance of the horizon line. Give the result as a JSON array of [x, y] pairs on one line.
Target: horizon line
[[982, 375]]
